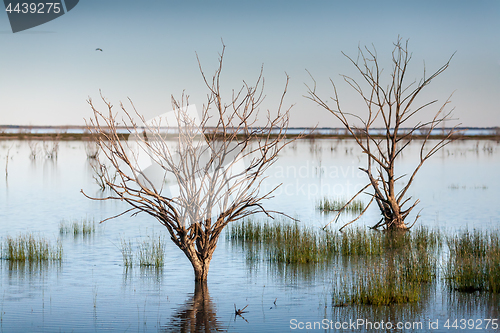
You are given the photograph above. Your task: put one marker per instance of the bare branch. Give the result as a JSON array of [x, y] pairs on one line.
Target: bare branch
[[196, 179], [393, 105]]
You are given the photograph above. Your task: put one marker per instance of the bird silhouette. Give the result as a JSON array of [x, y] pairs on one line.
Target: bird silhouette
[[98, 49]]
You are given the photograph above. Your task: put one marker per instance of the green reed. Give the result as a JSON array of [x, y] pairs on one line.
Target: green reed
[[28, 248], [474, 262], [295, 243], [376, 285], [394, 267], [127, 253], [329, 205], [284, 242], [405, 259], [84, 227], [149, 252]]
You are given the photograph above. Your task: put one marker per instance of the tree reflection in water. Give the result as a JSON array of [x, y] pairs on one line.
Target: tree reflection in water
[[197, 314]]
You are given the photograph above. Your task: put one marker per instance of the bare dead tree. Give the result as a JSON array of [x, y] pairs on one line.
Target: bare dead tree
[[51, 148], [217, 170], [7, 162], [394, 105], [91, 149], [33, 149]]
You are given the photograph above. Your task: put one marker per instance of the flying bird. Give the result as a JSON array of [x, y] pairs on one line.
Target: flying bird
[[98, 49]]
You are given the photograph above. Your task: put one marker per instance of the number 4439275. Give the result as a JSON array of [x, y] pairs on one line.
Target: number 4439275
[[38, 8], [471, 324]]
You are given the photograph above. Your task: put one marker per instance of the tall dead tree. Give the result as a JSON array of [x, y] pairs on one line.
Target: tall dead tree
[[202, 172], [394, 104]]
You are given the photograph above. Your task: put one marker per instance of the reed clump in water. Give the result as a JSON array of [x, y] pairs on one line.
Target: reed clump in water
[[284, 242], [28, 248], [376, 285], [84, 227], [332, 205], [474, 261], [127, 253], [397, 262], [149, 253], [394, 267], [287, 242]]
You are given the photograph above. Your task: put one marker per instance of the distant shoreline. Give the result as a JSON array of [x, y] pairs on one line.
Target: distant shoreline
[[68, 133]]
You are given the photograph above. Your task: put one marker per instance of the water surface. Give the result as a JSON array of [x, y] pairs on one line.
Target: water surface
[[91, 290]]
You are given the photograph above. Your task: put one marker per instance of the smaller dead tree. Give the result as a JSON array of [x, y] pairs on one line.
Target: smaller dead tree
[[51, 148], [195, 174], [395, 105], [91, 149]]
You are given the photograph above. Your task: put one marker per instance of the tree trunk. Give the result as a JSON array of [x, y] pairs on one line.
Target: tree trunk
[[201, 270], [200, 265], [394, 219], [397, 223]]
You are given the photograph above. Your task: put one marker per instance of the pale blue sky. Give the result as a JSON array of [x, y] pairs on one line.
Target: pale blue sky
[[149, 46]]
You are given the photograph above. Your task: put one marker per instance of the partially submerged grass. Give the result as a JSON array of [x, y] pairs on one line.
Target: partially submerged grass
[[28, 248], [418, 266], [474, 262], [295, 243], [362, 242], [149, 253], [330, 205], [405, 259], [376, 285], [394, 267], [284, 242], [384, 267], [127, 253], [84, 227]]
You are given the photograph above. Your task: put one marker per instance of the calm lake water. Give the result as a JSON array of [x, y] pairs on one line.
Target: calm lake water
[[91, 290]]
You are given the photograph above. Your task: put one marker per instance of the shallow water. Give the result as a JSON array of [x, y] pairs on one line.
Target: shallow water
[[91, 290]]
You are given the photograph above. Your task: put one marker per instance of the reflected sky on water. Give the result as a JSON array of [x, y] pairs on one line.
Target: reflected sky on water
[[91, 290]]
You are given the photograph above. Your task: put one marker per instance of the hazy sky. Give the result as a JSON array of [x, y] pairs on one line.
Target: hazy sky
[[149, 46]]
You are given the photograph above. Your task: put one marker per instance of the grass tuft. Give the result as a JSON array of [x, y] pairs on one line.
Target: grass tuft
[[388, 267], [283, 242], [127, 253], [75, 228], [149, 253], [376, 285], [474, 262], [294, 243], [331, 205], [28, 248]]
